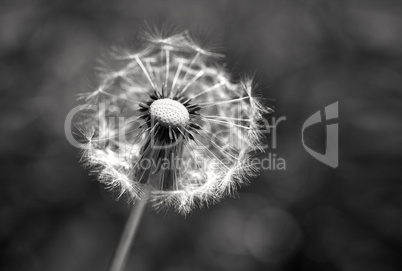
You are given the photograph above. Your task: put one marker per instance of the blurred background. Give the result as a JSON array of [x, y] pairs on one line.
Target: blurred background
[[306, 55]]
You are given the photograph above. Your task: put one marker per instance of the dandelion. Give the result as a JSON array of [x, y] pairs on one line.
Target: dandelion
[[171, 127], [175, 125]]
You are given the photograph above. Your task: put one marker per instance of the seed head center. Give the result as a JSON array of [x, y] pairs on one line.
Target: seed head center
[[169, 112]]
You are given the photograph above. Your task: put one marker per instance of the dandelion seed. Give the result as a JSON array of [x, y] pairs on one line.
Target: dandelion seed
[[180, 128]]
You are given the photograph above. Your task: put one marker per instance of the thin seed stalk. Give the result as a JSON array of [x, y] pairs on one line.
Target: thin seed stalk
[[126, 240]]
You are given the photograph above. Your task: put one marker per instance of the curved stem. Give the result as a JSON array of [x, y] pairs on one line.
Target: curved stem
[[126, 241]]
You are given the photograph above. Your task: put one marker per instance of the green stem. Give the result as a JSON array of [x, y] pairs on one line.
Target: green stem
[[126, 241]]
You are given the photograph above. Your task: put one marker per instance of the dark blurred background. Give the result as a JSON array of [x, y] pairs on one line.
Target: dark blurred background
[[306, 54]]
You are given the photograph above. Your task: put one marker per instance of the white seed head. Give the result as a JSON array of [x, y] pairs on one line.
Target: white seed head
[[206, 127], [169, 112]]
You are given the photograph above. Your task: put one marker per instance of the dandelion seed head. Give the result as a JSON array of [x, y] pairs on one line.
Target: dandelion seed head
[[172, 122]]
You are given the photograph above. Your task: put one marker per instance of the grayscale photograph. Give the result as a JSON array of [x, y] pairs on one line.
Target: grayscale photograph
[[204, 135]]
